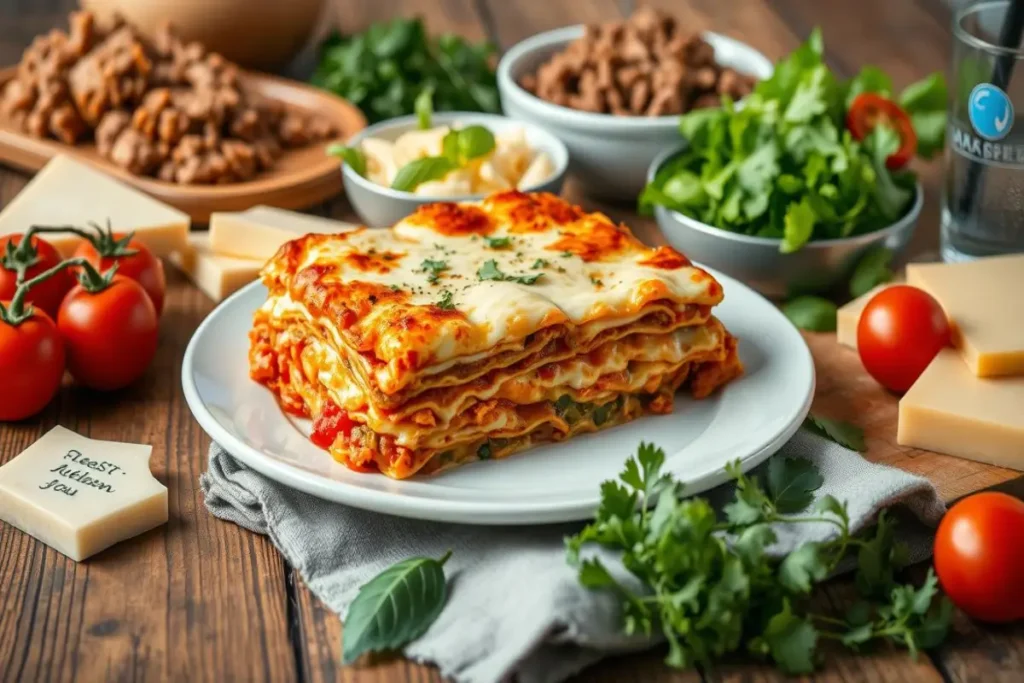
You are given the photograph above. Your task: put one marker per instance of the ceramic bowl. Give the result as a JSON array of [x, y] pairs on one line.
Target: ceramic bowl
[[818, 266], [610, 154], [380, 206]]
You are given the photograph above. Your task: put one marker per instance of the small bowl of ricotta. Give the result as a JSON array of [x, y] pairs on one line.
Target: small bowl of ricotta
[[392, 168]]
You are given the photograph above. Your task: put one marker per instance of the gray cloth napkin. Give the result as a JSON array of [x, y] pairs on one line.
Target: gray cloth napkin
[[515, 609]]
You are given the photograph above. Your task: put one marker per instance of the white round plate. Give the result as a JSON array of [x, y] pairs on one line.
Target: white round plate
[[747, 420]]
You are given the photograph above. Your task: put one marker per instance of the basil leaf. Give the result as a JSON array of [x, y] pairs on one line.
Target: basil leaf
[[424, 106], [843, 433], [420, 171], [872, 270], [395, 607], [811, 313], [475, 141], [352, 156]]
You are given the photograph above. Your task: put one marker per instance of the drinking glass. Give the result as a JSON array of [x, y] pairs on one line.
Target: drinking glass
[[983, 204]]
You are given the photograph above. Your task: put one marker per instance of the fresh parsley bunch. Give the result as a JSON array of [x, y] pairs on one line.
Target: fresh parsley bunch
[[783, 163], [383, 69], [711, 586]]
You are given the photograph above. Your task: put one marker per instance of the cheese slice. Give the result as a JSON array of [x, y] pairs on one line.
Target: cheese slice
[[80, 495], [949, 410], [66, 192], [984, 300], [216, 275], [259, 232]]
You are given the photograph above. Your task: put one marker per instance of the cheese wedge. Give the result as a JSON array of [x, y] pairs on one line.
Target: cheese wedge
[[216, 275], [259, 232], [67, 192], [949, 410], [984, 300], [80, 495]]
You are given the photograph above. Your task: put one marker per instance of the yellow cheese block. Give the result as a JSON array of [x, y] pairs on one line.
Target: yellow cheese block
[[80, 495], [849, 316], [984, 300], [259, 232], [217, 275], [67, 192], [949, 410]]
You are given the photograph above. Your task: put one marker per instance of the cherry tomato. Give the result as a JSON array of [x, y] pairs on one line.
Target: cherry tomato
[[979, 556], [142, 266], [900, 331], [31, 365], [48, 294], [111, 335], [870, 110]]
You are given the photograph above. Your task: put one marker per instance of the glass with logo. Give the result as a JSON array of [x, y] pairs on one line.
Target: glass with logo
[[983, 204]]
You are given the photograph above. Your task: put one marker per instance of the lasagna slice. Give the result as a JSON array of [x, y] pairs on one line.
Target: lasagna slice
[[476, 330]]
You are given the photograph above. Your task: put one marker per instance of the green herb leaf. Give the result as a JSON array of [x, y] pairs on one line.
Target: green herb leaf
[[420, 171], [352, 156], [540, 263], [792, 483], [434, 269], [872, 270], [925, 102], [445, 303], [799, 226], [490, 271], [870, 79], [843, 433], [811, 313], [424, 107], [498, 242], [803, 567], [791, 641], [395, 607]]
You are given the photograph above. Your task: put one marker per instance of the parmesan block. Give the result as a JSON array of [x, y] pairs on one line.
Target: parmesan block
[[259, 232], [217, 275], [79, 495], [949, 410], [984, 300], [67, 192]]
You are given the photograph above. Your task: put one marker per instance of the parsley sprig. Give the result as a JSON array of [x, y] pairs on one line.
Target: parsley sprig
[[712, 586]]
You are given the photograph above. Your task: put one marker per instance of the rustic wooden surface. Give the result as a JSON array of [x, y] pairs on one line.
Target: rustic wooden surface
[[202, 600]]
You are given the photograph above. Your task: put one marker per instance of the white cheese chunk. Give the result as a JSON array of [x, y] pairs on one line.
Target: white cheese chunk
[[66, 192], [216, 275], [80, 495], [259, 232]]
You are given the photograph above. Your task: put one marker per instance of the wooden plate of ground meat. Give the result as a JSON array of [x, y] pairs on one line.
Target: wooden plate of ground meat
[[172, 119]]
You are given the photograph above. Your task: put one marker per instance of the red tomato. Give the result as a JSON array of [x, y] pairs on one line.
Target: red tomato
[[331, 422], [31, 365], [142, 266], [48, 294], [979, 556], [111, 335], [869, 110], [900, 331]]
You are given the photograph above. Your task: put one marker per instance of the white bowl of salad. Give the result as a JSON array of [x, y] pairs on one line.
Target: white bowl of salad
[[793, 190]]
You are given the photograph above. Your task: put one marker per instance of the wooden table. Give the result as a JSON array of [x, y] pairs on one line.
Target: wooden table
[[203, 600]]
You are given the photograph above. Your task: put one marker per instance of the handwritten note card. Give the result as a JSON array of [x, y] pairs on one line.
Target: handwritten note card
[[81, 495]]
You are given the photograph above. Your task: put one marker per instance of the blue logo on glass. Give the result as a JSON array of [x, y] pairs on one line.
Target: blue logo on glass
[[990, 111]]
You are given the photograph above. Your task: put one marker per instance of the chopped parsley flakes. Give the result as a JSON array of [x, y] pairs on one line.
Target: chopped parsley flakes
[[498, 242], [596, 281], [539, 263], [490, 271], [445, 303], [434, 268], [566, 254]]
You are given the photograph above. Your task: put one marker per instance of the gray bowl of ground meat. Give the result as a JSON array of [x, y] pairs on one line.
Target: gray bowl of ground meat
[[610, 153]]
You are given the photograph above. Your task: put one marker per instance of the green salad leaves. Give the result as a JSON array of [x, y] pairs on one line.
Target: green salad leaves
[[783, 164], [384, 69], [710, 586]]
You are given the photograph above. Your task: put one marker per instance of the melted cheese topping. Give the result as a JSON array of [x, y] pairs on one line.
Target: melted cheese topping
[[462, 281]]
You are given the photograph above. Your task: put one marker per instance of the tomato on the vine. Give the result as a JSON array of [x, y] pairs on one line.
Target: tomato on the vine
[[110, 330], [31, 364], [979, 556], [134, 261], [33, 257], [900, 331], [870, 110]]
